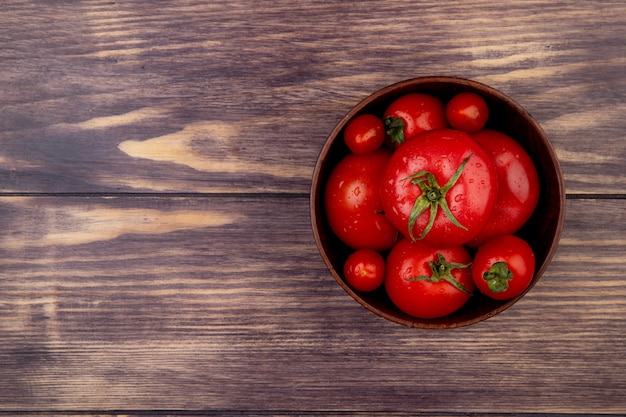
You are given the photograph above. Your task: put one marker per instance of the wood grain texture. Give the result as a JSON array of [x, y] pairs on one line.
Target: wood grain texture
[[207, 314], [229, 96], [273, 413], [156, 255]]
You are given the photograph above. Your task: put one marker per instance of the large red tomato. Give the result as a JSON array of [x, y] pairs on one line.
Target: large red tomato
[[352, 202], [518, 185], [411, 114], [426, 282], [439, 187]]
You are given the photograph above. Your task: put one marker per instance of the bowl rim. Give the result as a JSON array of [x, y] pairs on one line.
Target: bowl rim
[[416, 82]]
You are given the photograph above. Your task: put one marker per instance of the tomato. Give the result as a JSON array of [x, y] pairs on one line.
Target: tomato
[[503, 267], [352, 202], [428, 283], [439, 187], [518, 185], [411, 114], [467, 112], [364, 133], [364, 270]]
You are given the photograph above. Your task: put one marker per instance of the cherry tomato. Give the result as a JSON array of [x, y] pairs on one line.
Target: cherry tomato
[[352, 202], [411, 114], [364, 270], [518, 185], [503, 267], [439, 187], [467, 112], [364, 134], [428, 283]]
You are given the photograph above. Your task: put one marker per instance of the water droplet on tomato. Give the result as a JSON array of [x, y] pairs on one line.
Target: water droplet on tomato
[[458, 198]]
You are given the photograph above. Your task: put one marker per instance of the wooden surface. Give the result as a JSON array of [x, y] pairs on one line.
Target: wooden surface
[[156, 253]]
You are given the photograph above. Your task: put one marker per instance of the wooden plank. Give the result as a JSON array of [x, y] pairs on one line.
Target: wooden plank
[[216, 303], [223, 97], [281, 413], [262, 413]]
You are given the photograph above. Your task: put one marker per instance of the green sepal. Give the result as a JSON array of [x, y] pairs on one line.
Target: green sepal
[[433, 196], [498, 277], [394, 128], [441, 271]]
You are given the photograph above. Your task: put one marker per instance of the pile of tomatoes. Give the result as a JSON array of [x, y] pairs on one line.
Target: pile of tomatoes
[[429, 200]]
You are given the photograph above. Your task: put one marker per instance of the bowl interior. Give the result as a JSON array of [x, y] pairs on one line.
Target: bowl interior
[[542, 231]]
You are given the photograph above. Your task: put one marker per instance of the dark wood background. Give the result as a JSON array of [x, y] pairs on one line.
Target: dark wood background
[[156, 253]]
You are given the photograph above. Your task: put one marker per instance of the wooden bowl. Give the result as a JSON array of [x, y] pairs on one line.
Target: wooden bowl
[[542, 231]]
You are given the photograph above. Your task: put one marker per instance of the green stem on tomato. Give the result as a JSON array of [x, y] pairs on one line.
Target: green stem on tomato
[[433, 196], [442, 271], [498, 277], [395, 130]]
